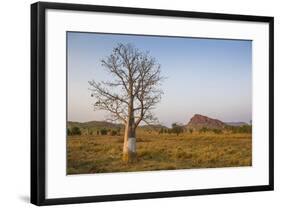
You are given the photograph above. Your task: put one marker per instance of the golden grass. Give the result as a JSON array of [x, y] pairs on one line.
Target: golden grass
[[103, 154]]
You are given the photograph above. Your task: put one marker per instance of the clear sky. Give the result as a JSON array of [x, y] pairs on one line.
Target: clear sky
[[212, 77]]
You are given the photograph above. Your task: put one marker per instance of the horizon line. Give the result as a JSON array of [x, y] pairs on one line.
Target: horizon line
[[87, 121]]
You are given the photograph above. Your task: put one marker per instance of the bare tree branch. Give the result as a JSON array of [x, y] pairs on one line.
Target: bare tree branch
[[98, 89], [134, 88]]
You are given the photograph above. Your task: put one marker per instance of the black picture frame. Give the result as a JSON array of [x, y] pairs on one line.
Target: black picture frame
[[38, 99]]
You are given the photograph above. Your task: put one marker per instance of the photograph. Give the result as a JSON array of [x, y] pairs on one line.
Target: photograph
[[145, 103], [141, 95]]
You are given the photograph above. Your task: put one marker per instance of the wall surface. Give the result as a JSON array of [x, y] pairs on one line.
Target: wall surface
[[15, 101]]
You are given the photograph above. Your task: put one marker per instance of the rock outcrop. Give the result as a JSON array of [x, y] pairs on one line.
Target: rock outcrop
[[199, 121]]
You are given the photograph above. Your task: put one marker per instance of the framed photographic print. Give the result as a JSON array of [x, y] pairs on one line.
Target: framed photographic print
[[134, 103]]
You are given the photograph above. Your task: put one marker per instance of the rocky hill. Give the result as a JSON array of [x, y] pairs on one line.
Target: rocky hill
[[199, 121]]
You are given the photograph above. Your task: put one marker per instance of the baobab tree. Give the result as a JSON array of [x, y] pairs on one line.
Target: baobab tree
[[132, 92]]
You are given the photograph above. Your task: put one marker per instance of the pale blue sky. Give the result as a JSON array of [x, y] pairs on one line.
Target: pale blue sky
[[212, 77]]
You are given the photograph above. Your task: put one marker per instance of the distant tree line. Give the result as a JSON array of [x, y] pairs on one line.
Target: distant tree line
[[75, 130], [240, 129], [205, 129], [232, 129], [111, 132], [176, 129]]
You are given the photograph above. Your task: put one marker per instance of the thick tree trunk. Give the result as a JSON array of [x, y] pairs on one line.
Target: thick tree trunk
[[129, 147]]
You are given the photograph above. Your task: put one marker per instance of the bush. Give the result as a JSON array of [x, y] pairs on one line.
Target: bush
[[240, 129], [113, 133], [161, 131], [177, 129], [217, 131], [75, 131], [68, 132], [245, 129], [90, 132], [103, 131], [118, 130], [203, 130], [190, 131]]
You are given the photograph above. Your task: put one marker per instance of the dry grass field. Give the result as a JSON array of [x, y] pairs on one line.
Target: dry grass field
[[103, 154]]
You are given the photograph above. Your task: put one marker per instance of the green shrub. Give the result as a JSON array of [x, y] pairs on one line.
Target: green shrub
[[161, 131], [240, 129], [68, 132], [103, 131], [75, 130], [217, 131], [113, 132], [203, 130], [118, 130], [177, 129]]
